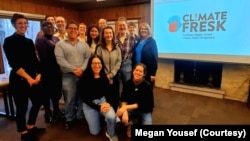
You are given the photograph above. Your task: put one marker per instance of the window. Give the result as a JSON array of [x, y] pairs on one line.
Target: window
[[6, 29]]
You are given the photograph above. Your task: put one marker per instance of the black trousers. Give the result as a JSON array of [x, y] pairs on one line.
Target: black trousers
[[114, 94], [52, 89], [23, 94]]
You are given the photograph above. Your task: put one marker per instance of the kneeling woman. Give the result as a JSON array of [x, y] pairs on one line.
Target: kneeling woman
[[93, 90], [137, 100]]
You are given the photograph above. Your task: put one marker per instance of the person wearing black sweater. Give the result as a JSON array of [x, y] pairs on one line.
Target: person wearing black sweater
[[24, 79], [137, 100], [93, 90]]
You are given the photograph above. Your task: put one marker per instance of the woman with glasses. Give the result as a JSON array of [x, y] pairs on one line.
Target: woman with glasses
[[24, 79], [95, 102]]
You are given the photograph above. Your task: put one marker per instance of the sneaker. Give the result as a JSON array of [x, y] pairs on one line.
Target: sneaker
[[118, 120], [111, 138]]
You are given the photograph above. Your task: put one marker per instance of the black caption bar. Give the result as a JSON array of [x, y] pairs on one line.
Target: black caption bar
[[195, 132]]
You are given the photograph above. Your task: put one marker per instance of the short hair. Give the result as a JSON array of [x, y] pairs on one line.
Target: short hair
[[72, 22], [82, 24], [131, 24], [45, 23], [122, 19], [60, 17], [15, 17], [102, 19], [47, 16]]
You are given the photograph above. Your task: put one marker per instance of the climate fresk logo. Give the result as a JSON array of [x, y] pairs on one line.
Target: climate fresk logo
[[199, 22], [174, 23]]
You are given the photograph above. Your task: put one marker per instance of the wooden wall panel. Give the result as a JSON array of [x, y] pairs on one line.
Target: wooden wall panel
[[29, 7], [37, 8], [10, 5], [140, 12]]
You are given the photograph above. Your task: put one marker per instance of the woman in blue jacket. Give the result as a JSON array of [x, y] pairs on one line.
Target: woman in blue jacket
[[146, 52]]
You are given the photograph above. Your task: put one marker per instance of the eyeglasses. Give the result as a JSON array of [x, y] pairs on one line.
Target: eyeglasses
[[72, 28], [96, 63]]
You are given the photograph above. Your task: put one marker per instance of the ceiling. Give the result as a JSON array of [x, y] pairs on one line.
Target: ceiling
[[82, 5]]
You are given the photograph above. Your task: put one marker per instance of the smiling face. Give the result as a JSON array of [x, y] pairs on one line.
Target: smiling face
[[60, 23], [48, 29], [138, 73], [94, 33], [72, 31], [96, 65], [21, 25], [82, 28], [144, 33], [102, 23], [122, 26], [108, 34], [131, 29]]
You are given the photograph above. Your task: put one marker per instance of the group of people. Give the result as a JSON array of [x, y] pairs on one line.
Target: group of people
[[85, 66]]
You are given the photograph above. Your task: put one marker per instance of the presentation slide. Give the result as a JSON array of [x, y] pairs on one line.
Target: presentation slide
[[209, 30]]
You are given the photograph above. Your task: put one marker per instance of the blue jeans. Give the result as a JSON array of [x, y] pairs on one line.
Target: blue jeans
[[143, 118], [93, 118], [72, 100], [126, 70]]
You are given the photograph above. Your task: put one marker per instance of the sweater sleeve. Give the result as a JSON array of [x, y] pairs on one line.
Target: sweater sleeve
[[11, 55], [83, 86], [61, 59]]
